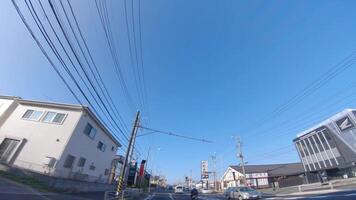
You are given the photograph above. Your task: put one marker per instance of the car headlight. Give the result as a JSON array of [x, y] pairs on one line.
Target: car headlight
[[245, 195]]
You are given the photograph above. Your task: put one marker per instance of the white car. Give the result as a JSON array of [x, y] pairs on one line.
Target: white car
[[241, 193], [179, 190]]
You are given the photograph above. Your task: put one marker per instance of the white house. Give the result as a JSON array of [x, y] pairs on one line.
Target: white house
[[264, 176], [60, 140]]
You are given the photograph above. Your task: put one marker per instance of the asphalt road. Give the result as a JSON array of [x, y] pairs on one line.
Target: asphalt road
[[10, 190], [344, 195]]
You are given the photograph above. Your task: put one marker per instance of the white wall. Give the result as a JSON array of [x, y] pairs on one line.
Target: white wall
[[43, 139], [6, 106], [80, 145], [228, 178]]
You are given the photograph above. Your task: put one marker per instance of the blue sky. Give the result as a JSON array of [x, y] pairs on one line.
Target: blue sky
[[213, 70]]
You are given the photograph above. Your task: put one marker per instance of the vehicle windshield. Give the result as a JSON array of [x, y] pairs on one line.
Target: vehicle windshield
[[246, 189]]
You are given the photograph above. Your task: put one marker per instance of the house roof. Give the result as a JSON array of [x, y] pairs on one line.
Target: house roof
[[65, 106], [273, 169]]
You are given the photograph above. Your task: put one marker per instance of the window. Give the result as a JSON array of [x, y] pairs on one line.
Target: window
[[81, 162], [32, 115], [58, 118], [106, 172], [53, 117], [300, 149], [326, 146], [92, 167], [101, 146], [313, 144], [304, 148], [68, 163], [90, 131], [112, 148], [48, 117]]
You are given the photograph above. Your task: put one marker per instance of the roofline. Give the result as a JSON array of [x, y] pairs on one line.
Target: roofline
[[50, 104], [9, 97], [268, 164], [324, 122], [65, 106], [108, 133]]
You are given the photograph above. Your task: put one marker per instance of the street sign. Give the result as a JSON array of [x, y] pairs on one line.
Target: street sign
[[204, 170]]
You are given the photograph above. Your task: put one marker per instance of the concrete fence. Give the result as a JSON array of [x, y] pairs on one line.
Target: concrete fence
[[331, 185], [57, 183]]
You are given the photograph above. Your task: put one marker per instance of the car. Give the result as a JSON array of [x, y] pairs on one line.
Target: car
[[179, 190], [206, 191], [241, 193]]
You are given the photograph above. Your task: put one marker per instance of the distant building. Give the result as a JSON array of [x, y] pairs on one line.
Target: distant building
[[264, 176], [132, 173], [329, 148], [60, 140]]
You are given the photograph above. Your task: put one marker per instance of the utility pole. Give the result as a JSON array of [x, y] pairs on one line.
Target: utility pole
[[241, 157], [123, 178], [213, 158], [190, 180]]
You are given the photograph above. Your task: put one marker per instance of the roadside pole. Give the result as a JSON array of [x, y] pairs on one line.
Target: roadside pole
[[241, 157], [122, 180], [145, 166], [149, 181], [213, 158]]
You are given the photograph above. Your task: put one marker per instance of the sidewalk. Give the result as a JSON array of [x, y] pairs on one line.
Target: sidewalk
[[16, 191], [314, 188]]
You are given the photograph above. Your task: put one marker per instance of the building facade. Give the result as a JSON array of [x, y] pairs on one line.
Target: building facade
[[60, 140], [329, 148], [264, 176]]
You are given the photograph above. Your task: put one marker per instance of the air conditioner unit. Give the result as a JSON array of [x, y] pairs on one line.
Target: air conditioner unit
[[49, 161]]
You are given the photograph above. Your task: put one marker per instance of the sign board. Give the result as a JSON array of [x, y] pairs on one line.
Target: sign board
[[344, 123], [204, 170]]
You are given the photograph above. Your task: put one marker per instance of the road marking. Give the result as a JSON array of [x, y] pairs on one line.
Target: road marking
[[280, 198], [352, 194], [171, 196], [320, 197]]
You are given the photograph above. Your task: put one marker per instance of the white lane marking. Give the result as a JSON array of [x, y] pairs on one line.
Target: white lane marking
[[352, 194], [320, 197], [280, 198], [171, 196]]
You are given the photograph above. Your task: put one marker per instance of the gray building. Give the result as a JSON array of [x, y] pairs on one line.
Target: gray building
[[330, 147]]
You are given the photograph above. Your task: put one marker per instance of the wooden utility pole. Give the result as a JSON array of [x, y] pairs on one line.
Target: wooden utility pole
[[123, 178], [241, 157]]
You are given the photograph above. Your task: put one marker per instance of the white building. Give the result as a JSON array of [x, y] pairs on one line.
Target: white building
[[264, 176], [59, 140]]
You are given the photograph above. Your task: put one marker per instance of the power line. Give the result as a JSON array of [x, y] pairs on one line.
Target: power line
[[67, 38], [311, 88], [105, 22], [315, 114], [176, 135], [55, 51], [23, 19], [134, 67], [99, 81]]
